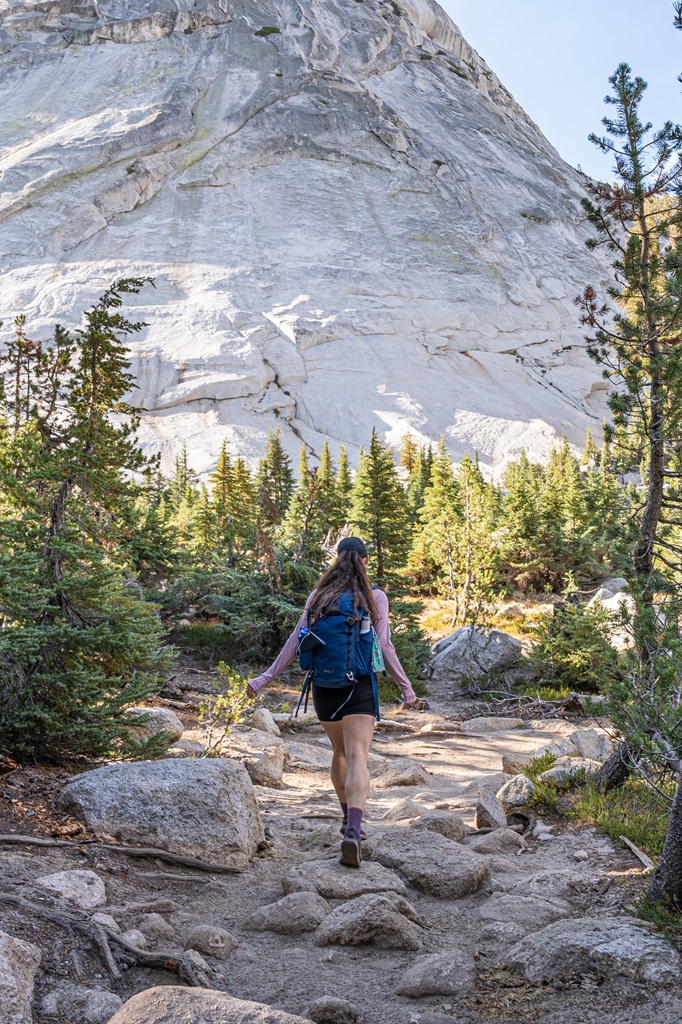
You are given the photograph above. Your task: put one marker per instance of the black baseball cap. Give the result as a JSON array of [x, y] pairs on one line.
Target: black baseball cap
[[352, 544]]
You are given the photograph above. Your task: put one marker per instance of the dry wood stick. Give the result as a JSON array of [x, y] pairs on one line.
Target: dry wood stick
[[639, 854], [166, 961], [129, 851]]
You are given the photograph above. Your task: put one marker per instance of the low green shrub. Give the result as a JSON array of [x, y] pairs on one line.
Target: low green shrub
[[633, 810], [572, 649]]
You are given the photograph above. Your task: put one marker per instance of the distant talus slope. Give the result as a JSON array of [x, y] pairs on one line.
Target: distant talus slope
[[349, 220]]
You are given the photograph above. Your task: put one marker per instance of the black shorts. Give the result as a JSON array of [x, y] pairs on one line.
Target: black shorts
[[334, 703]]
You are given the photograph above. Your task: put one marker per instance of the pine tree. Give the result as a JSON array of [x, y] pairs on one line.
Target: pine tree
[[344, 484], [638, 218], [476, 552], [78, 645], [409, 453], [274, 482], [441, 521], [379, 513]]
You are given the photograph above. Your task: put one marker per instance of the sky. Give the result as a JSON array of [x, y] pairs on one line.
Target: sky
[[556, 59]]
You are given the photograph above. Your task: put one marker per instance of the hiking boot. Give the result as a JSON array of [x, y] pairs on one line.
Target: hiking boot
[[351, 854], [344, 829]]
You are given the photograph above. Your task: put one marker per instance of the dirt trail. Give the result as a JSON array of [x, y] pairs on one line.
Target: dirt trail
[[302, 822]]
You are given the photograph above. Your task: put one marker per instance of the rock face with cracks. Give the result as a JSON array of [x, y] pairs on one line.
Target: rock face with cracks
[[197, 807], [178, 139]]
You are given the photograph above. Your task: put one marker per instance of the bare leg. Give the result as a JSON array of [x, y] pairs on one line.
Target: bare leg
[[339, 769], [358, 731]]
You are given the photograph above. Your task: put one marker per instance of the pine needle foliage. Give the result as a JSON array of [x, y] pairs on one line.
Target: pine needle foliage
[[77, 644]]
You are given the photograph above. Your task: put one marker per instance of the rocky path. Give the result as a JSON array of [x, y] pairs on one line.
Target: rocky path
[[442, 923]]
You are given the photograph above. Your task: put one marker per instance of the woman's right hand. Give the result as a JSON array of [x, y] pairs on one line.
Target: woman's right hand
[[250, 692]]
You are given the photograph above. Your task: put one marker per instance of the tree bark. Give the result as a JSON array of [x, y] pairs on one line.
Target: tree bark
[[615, 771], [666, 884]]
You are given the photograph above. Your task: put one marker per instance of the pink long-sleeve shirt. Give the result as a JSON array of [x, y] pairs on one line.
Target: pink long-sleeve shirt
[[383, 631]]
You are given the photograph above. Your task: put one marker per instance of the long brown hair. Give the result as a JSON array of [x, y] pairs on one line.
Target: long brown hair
[[348, 572]]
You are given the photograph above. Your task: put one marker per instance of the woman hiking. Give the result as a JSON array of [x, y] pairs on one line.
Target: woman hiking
[[344, 604]]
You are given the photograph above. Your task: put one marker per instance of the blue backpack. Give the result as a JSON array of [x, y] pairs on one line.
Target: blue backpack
[[335, 649]]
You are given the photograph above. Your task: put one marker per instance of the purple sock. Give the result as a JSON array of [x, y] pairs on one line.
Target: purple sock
[[344, 808], [354, 820]]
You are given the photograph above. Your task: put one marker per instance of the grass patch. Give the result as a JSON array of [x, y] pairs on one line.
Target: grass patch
[[634, 810], [267, 30], [530, 689], [545, 798], [664, 917]]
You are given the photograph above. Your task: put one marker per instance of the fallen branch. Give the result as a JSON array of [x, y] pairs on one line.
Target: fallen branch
[[102, 936], [639, 854], [129, 851]]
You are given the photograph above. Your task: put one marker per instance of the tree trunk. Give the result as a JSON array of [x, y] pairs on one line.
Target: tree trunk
[[666, 885], [615, 771]]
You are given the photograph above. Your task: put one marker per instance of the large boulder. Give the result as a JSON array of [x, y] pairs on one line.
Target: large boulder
[[432, 863], [592, 744], [171, 1004], [601, 947], [153, 721], [202, 808], [470, 652], [382, 919], [331, 880], [613, 597], [19, 962]]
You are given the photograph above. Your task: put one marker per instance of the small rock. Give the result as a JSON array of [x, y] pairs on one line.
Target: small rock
[[382, 919], [19, 962], [517, 792], [186, 748], [197, 961], [78, 1002], [541, 829], [592, 744], [595, 946], [562, 774], [265, 768], [405, 808], [135, 937], [501, 840], [401, 772], [442, 974], [262, 719], [205, 938], [107, 921], [308, 757], [158, 720], [293, 914], [489, 811], [477, 726], [432, 863], [154, 927], [83, 888], [181, 1005], [447, 823], [581, 855], [531, 912], [334, 882], [332, 1010]]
